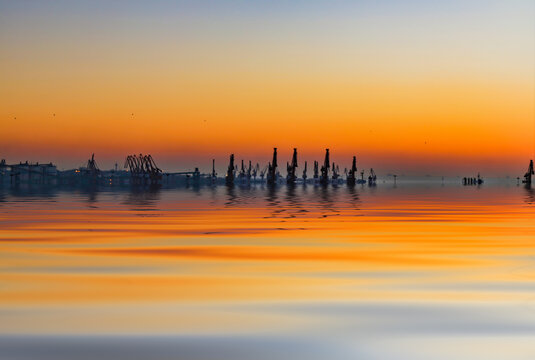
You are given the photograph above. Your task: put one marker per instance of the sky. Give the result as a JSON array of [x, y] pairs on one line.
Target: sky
[[413, 87]]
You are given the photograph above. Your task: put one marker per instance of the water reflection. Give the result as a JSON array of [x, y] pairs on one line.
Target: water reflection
[[232, 198], [213, 191], [293, 201], [530, 194], [327, 198], [143, 200], [91, 195], [354, 196], [430, 262], [195, 187], [271, 197], [28, 193]]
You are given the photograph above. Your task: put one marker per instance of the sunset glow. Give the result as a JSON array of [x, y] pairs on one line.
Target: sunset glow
[[424, 87]]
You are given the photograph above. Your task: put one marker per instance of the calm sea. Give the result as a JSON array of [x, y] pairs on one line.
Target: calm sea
[[407, 271]]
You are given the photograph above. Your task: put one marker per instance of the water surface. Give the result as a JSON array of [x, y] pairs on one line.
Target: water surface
[[406, 271]]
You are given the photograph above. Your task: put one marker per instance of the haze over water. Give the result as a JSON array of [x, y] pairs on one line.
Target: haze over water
[[408, 271]]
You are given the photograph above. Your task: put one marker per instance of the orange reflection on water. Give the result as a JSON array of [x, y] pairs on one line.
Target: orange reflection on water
[[220, 246]]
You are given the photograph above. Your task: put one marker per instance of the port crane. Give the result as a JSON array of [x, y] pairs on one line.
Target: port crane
[[528, 174], [305, 173], [316, 171], [324, 179], [272, 169], [92, 167], [91, 171], [245, 173], [143, 170], [249, 172], [352, 175], [229, 179], [152, 165], [242, 176], [213, 175], [291, 178]]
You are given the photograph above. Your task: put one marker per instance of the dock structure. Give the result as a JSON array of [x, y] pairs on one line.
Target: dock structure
[[473, 180], [91, 176], [142, 171], [185, 178], [4, 172], [29, 173]]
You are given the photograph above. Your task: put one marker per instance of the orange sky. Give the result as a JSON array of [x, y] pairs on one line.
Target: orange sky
[[424, 90]]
